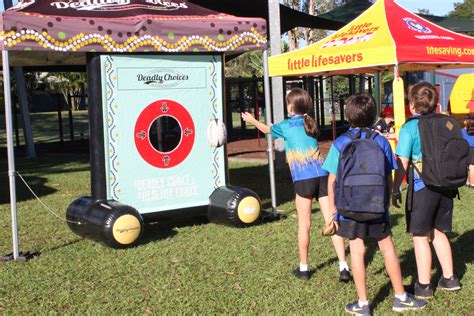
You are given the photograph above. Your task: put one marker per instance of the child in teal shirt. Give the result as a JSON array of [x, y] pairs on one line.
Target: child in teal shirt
[[429, 213], [309, 179]]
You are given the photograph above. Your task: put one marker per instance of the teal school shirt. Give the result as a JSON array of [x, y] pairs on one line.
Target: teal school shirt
[[409, 146], [300, 149]]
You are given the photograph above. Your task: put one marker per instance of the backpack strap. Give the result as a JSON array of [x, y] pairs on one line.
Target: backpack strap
[[368, 133], [417, 117], [351, 135]]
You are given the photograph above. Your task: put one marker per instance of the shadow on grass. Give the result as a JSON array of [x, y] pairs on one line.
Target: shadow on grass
[[372, 248], [463, 254], [66, 244], [38, 185], [244, 152], [156, 231], [372, 245], [257, 179]]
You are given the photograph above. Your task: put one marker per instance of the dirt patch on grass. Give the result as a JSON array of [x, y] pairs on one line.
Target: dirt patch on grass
[[257, 149]]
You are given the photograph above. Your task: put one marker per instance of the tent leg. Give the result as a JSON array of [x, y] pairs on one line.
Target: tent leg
[[15, 255], [11, 154], [268, 119]]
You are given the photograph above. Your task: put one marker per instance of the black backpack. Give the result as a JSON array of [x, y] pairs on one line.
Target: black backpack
[[444, 152], [361, 181]]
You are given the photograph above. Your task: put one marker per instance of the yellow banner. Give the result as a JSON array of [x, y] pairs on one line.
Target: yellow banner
[[365, 42]]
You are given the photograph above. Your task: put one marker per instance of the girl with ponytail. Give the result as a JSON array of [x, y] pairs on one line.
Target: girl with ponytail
[[300, 133]]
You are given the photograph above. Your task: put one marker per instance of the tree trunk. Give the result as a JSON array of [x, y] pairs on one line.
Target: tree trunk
[[293, 35], [25, 113], [308, 32]]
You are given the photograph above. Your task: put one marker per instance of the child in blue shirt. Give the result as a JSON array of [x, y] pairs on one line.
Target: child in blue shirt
[[309, 179], [468, 134], [429, 213], [360, 112]]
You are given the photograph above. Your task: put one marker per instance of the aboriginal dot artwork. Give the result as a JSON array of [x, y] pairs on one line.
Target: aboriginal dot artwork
[[153, 33]]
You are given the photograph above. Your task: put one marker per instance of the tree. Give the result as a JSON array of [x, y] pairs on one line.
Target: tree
[[424, 11], [247, 65], [68, 83], [294, 34], [463, 10], [312, 7]]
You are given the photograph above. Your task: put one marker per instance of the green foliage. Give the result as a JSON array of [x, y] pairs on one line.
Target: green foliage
[[195, 268], [246, 65], [424, 11], [463, 10], [341, 87], [68, 83]]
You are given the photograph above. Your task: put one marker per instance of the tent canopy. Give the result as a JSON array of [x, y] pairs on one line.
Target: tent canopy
[[59, 29], [289, 18], [384, 36], [349, 11]]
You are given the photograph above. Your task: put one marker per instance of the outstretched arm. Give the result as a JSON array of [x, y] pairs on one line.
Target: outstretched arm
[[249, 118]]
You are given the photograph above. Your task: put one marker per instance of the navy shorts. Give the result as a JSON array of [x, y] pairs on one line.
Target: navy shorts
[[372, 229], [312, 188], [429, 210]]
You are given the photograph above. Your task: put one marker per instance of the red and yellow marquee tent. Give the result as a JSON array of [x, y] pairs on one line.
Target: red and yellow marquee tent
[[386, 37], [383, 36]]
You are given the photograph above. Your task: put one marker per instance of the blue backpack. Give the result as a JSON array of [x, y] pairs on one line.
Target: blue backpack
[[361, 181]]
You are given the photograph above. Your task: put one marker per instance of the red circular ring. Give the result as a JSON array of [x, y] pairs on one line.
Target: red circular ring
[[141, 134]]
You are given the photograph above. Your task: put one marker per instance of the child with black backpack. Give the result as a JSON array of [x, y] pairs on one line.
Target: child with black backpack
[[309, 179], [433, 147], [360, 164]]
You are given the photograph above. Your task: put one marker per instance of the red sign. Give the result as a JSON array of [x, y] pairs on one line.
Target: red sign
[[142, 134]]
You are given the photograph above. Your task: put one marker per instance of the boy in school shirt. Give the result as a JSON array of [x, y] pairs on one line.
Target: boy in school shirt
[[429, 213], [360, 112]]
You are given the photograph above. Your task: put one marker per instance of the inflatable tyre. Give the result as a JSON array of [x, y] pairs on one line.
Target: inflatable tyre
[[234, 206], [114, 224]]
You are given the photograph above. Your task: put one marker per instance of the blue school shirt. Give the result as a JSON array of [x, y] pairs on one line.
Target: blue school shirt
[[332, 161], [300, 148], [469, 138], [409, 146]]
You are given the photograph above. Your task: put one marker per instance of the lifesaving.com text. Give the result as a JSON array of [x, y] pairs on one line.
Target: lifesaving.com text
[[449, 50]]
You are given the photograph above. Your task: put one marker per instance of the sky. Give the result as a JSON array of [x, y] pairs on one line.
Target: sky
[[436, 7]]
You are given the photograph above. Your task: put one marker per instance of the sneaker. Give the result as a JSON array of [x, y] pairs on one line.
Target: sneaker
[[410, 304], [423, 292], [354, 308], [451, 284], [302, 275], [344, 276]]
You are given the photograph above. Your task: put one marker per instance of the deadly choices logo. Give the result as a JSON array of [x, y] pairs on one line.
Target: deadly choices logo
[[118, 5], [414, 25], [162, 78]]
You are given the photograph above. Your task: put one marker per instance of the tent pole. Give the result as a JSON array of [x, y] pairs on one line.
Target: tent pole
[[11, 154], [378, 93], [268, 120], [277, 82]]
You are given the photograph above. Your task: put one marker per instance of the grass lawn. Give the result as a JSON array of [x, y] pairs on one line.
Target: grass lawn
[[199, 267]]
